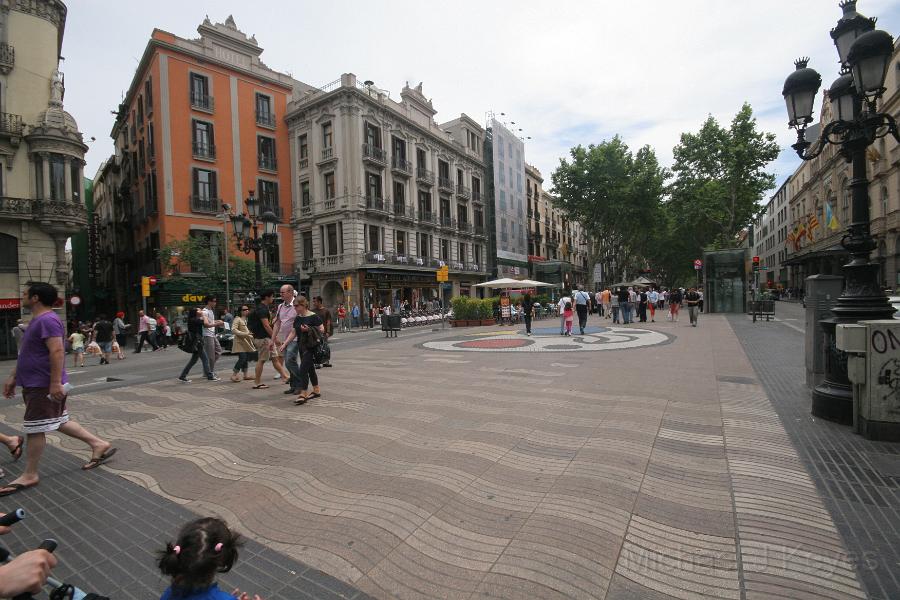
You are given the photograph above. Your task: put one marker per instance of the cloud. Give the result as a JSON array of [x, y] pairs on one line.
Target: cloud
[[568, 72]]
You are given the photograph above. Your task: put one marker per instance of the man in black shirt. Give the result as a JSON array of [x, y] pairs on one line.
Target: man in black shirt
[[259, 324], [693, 303], [103, 335]]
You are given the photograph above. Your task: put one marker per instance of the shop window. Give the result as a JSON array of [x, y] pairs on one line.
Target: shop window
[[9, 254]]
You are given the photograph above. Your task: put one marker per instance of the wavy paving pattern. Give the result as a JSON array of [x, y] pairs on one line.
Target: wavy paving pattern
[[641, 476]]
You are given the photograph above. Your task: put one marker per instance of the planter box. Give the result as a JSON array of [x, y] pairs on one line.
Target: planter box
[[488, 322]]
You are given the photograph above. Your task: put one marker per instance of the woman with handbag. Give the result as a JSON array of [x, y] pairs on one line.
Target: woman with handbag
[[191, 342], [242, 344], [309, 330]]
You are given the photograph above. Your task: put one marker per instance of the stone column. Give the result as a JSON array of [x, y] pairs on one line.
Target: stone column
[[61, 273], [67, 177], [80, 185], [45, 165]]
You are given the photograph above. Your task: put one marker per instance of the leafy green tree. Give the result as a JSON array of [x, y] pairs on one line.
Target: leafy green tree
[[616, 195], [720, 178], [203, 260]]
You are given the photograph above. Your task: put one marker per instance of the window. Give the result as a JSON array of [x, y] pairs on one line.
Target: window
[[204, 139], [424, 203], [9, 254], [445, 210], [329, 186], [210, 240], [444, 170], [373, 136], [200, 92], [264, 114], [151, 141], [400, 242], [423, 243], [268, 196], [140, 109], [265, 148], [399, 197], [884, 202], [373, 186], [479, 218], [421, 160], [150, 199], [327, 135], [460, 180], [148, 93], [38, 175], [461, 252], [445, 250], [303, 147], [398, 147], [374, 238], [141, 153], [57, 177], [500, 146], [205, 191], [476, 188], [502, 200], [332, 246], [304, 194], [462, 213], [307, 245], [476, 251], [74, 173]]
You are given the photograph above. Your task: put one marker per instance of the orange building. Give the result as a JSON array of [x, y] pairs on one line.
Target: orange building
[[202, 126]]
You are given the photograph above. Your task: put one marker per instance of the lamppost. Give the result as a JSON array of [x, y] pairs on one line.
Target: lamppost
[[864, 54], [244, 224]]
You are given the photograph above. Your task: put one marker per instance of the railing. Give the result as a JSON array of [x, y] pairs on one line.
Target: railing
[[479, 230], [457, 266], [376, 256], [267, 162], [11, 124], [427, 216], [463, 192], [305, 210], [374, 203], [304, 163], [266, 119], [282, 269], [374, 154], [444, 183], [448, 222], [474, 267], [401, 210], [401, 165], [203, 204], [328, 154], [204, 150], [476, 196], [203, 102], [268, 205], [7, 56], [308, 264], [59, 210], [425, 176], [465, 227]]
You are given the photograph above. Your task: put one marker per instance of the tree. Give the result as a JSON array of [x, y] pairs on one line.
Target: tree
[[202, 258], [720, 178], [615, 195]]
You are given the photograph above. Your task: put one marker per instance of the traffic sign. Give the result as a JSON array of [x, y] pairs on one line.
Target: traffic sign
[[698, 264], [152, 280], [75, 300]]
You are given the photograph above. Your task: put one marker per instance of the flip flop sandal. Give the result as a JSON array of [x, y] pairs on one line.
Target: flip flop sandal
[[17, 451], [15, 488], [301, 400], [261, 386], [314, 395], [96, 462]]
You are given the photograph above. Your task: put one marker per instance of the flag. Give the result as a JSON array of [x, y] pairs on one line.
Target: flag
[[831, 221], [813, 221], [789, 239], [801, 229]]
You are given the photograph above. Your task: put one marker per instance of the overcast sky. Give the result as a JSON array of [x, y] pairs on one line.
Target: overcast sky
[[567, 73]]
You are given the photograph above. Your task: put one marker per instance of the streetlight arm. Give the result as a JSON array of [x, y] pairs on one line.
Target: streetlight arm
[[869, 128]]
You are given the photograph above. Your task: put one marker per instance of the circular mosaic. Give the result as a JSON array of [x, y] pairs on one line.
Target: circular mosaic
[[607, 338]]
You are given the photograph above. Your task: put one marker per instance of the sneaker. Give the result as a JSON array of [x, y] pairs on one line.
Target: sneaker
[[277, 376], [184, 380], [529, 334], [291, 391], [214, 378]]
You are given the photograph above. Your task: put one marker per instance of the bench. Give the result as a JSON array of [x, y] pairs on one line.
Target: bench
[[762, 308]]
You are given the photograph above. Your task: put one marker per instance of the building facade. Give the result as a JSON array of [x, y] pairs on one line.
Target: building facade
[[41, 157], [505, 162], [385, 196], [821, 188], [200, 130], [769, 237]]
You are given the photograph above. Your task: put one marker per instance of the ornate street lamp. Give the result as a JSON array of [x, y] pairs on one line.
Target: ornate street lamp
[[244, 225], [864, 54]]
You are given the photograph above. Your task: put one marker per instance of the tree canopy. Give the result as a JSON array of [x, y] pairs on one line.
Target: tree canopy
[[202, 258]]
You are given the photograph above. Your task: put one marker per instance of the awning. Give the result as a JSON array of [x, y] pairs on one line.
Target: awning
[[835, 251]]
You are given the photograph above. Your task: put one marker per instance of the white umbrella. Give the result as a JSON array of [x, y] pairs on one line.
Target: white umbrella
[[532, 283], [502, 283]]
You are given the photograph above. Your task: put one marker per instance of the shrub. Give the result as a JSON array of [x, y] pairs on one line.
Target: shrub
[[486, 309], [462, 308]]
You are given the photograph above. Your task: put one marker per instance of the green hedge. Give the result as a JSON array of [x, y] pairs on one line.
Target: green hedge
[[466, 308]]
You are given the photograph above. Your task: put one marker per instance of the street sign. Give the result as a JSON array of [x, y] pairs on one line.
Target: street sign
[[75, 300], [153, 280], [698, 264]]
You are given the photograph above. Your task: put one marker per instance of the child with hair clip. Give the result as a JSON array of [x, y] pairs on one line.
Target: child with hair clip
[[204, 547], [569, 315]]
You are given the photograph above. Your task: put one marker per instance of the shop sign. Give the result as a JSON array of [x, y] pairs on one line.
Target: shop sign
[[192, 298], [533, 258], [399, 278], [10, 303]]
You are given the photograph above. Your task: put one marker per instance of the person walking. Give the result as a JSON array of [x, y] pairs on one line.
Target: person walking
[[76, 341], [606, 301], [700, 304], [642, 305], [327, 322], [582, 307], [527, 312], [120, 329], [284, 317], [103, 335], [259, 324], [144, 332], [242, 344], [17, 333], [342, 317], [198, 350], [614, 307], [675, 298], [41, 372], [569, 316], [652, 301], [162, 326], [693, 303], [210, 342], [308, 330], [624, 296], [561, 309]]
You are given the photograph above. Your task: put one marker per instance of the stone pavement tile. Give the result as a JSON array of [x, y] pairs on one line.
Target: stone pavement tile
[[505, 587], [610, 493], [685, 516], [578, 537], [589, 511], [622, 588], [574, 575], [482, 517]]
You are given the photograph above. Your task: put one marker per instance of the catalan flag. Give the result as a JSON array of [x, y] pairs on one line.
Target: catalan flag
[[813, 221], [831, 221], [801, 229]]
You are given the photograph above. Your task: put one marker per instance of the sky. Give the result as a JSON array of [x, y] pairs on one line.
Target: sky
[[566, 72]]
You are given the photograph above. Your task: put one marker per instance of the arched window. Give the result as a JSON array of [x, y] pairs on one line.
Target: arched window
[[9, 254]]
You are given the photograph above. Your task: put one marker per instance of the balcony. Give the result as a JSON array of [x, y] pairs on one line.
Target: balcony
[[203, 102], [204, 151], [308, 264], [377, 257], [265, 119], [463, 192], [476, 196], [205, 205], [402, 211], [327, 155], [26, 209], [427, 217], [535, 238], [424, 176], [479, 230], [267, 162], [304, 163], [374, 155], [474, 267], [445, 185], [11, 126], [401, 166], [7, 58], [448, 222], [270, 205], [465, 227], [306, 210], [376, 204], [281, 269]]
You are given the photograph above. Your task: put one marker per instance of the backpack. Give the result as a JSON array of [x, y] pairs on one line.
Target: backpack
[[189, 342]]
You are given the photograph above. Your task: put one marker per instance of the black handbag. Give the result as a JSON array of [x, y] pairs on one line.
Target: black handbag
[[189, 342]]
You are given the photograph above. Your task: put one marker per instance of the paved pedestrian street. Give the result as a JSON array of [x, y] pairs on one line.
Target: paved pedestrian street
[[656, 469]]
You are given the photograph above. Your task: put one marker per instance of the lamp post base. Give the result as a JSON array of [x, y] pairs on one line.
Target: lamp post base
[[833, 402]]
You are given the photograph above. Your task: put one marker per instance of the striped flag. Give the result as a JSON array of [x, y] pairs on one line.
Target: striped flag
[[831, 221]]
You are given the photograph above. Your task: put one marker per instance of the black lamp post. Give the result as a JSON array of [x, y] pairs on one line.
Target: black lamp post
[[864, 56], [244, 224]]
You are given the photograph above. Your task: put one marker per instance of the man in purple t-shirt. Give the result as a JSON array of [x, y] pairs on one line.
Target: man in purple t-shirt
[[40, 370]]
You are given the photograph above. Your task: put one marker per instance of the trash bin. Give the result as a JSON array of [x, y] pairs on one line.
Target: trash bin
[[390, 325]]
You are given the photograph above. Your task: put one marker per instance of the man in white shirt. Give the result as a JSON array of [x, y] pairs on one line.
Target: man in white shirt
[[210, 341], [582, 306], [561, 308], [598, 302]]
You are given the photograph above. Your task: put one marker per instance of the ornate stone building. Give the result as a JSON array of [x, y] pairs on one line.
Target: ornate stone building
[[384, 195], [41, 156]]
